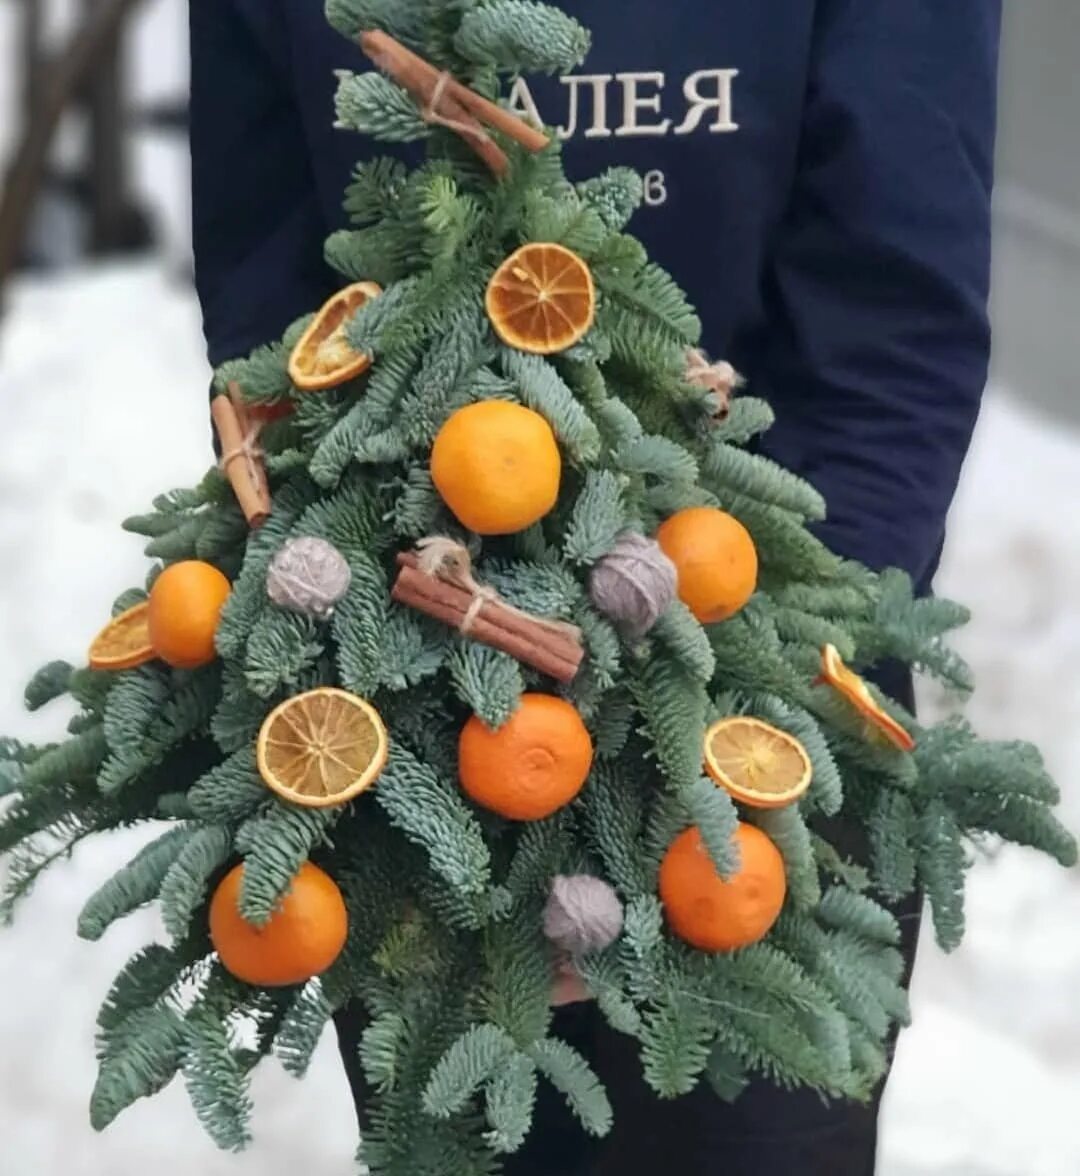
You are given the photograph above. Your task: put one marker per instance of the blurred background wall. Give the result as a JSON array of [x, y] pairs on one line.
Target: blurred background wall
[[102, 382], [1037, 287]]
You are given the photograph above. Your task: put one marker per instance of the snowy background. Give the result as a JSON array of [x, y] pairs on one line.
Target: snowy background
[[101, 382]]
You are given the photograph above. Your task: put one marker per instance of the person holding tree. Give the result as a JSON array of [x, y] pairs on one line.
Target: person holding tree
[[500, 687], [818, 177]]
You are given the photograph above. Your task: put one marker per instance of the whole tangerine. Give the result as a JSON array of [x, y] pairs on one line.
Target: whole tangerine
[[185, 607], [716, 560], [302, 938], [715, 914], [497, 466], [533, 765]]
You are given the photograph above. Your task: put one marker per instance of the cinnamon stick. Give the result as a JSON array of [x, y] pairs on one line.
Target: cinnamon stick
[[529, 642], [561, 643], [244, 470], [457, 103], [420, 78], [251, 425]]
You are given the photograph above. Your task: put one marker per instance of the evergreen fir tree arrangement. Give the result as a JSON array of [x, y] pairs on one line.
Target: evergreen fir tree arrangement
[[491, 646]]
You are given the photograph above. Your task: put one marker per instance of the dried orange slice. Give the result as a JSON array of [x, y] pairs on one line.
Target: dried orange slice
[[541, 299], [856, 691], [124, 643], [322, 748], [758, 764], [323, 358]]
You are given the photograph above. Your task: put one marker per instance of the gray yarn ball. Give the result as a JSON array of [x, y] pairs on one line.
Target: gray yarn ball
[[583, 914], [634, 583], [308, 576]]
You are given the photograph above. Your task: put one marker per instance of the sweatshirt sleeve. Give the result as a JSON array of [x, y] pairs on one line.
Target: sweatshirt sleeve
[[257, 221], [876, 291]]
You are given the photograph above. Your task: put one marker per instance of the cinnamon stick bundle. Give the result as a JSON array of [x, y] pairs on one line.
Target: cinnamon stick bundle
[[241, 462], [449, 102], [546, 649]]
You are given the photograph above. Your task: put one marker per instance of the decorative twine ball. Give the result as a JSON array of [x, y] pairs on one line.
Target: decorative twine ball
[[308, 576], [583, 914], [634, 583]]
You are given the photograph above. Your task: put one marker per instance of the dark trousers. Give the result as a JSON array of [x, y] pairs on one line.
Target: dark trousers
[[766, 1132]]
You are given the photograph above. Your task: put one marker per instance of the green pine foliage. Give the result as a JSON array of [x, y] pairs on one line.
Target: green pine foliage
[[445, 961]]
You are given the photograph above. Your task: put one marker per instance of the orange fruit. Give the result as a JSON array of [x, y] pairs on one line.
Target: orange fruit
[[757, 763], [497, 466], [322, 358], [185, 606], [856, 691], [710, 913], [533, 765], [124, 643], [302, 938], [716, 560], [322, 748], [541, 299]]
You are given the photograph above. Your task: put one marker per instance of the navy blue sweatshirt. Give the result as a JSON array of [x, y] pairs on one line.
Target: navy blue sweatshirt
[[817, 177]]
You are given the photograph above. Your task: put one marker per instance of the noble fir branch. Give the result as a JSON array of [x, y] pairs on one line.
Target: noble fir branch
[[605, 979], [799, 628], [230, 792], [846, 910], [826, 785], [673, 706], [49, 683], [913, 630], [508, 1105], [568, 221], [518, 990], [728, 468], [713, 812], [301, 1028], [596, 519], [282, 646], [275, 844], [542, 389], [487, 681], [571, 1075], [894, 837], [381, 1048], [838, 966], [184, 707], [725, 1073], [147, 1060], [611, 725], [788, 831], [431, 813], [216, 1079], [359, 625], [613, 822], [375, 106], [654, 295], [184, 888], [676, 1040], [133, 885], [521, 36], [657, 458], [376, 186], [679, 632], [352, 17], [615, 195], [71, 762], [542, 851]]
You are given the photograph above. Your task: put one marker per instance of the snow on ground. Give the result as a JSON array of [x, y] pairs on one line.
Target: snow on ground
[[103, 387]]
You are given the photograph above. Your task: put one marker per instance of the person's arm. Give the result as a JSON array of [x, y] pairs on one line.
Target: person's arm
[[878, 341], [257, 221]]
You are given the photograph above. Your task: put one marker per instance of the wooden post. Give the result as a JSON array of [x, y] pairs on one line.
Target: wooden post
[[54, 89]]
